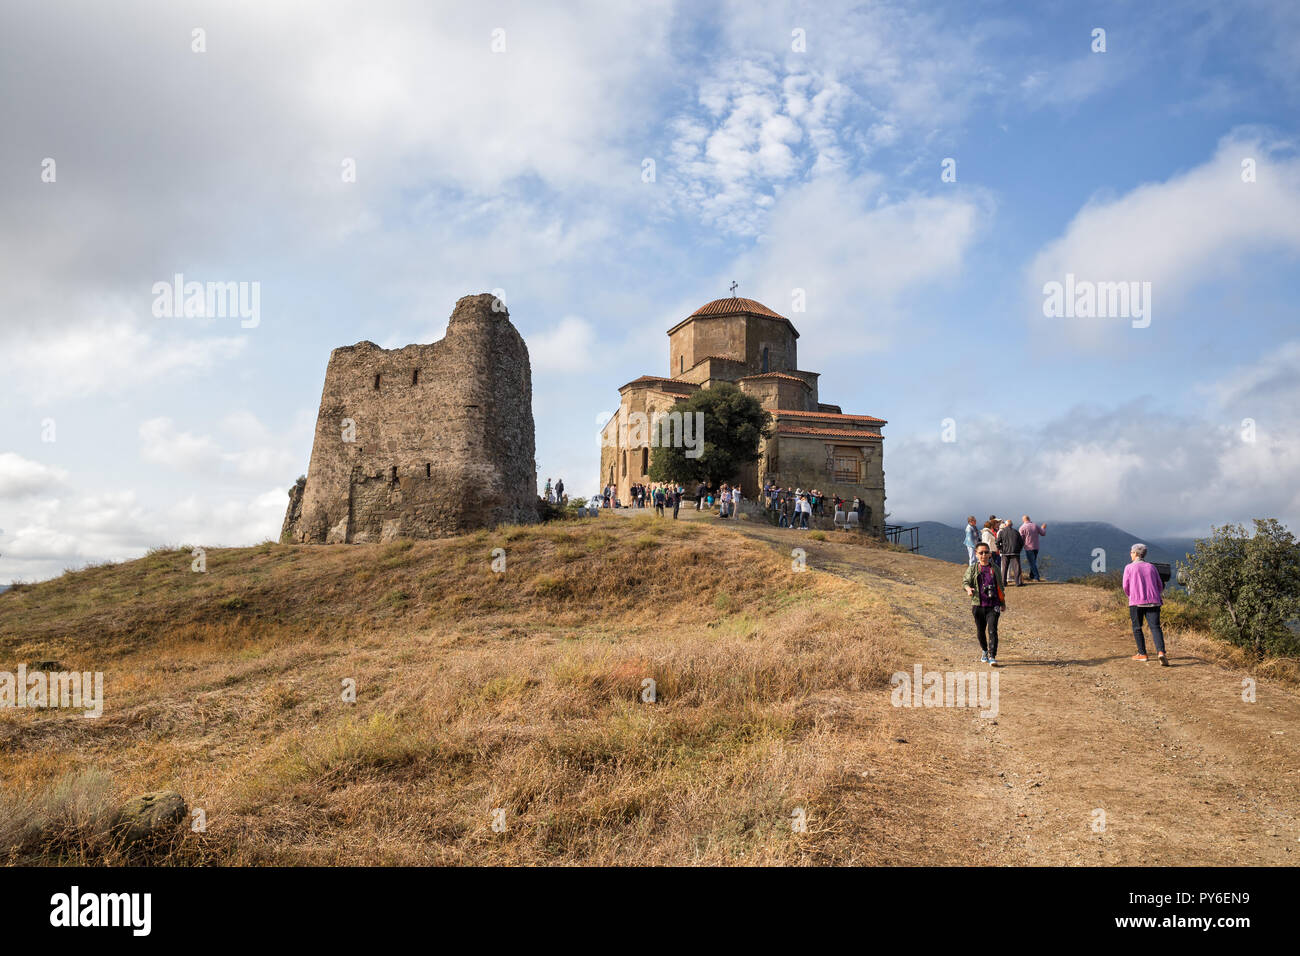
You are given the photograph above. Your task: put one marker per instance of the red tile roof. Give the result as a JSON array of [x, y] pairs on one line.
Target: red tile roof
[[648, 380], [831, 415], [734, 306], [827, 433]]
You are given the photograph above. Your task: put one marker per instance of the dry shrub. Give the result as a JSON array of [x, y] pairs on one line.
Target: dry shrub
[[70, 820]]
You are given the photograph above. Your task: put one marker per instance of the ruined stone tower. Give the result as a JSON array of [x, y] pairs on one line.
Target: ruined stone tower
[[423, 441]]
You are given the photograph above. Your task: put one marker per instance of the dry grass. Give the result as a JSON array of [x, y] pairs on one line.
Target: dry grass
[[475, 692]]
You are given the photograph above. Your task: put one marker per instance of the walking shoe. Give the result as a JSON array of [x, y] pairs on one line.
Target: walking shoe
[[993, 662], [1164, 659], [984, 658], [1140, 657]]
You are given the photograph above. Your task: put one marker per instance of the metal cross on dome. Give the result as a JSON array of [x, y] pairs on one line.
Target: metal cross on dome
[[733, 288]]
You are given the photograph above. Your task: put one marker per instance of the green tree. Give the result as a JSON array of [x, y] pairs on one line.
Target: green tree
[[1250, 584], [734, 425]]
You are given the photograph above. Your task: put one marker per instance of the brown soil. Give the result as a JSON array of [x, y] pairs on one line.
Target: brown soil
[[1185, 770]]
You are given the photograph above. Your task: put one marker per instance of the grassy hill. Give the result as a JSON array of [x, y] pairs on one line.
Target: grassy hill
[[521, 692], [1067, 548], [474, 691]]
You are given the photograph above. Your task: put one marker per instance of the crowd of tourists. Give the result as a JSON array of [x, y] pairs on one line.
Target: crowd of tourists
[[796, 507], [1006, 543], [657, 495], [994, 551]]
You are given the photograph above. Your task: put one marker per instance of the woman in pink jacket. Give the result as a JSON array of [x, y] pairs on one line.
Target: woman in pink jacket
[[1143, 586]]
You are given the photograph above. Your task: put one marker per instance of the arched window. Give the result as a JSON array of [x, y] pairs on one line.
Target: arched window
[[681, 364], [764, 358], [625, 461], [645, 461], [428, 471], [415, 377], [393, 474], [376, 381]]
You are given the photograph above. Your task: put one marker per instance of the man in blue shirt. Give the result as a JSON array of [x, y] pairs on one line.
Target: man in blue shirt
[[972, 538]]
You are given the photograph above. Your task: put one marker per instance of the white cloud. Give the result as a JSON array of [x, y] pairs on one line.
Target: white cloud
[[262, 459], [1199, 225], [1075, 80], [758, 129], [855, 251], [1136, 465], [115, 355], [568, 346], [75, 530], [21, 477]]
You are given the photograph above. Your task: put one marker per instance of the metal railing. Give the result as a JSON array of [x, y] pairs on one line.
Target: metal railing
[[894, 533]]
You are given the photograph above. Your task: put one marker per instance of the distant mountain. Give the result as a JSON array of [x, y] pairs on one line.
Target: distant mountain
[[3, 588], [1066, 551]]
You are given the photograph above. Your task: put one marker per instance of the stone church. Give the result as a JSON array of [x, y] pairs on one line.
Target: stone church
[[813, 444]]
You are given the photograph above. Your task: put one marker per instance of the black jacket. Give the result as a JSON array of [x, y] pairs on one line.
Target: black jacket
[[1009, 541]]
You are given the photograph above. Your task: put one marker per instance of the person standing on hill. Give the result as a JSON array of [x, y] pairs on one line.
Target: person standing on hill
[[678, 491], [1143, 586], [972, 538], [1009, 546], [985, 585], [559, 492], [1030, 533], [989, 535]]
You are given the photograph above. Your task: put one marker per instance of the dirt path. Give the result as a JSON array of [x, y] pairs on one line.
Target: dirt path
[[1184, 770]]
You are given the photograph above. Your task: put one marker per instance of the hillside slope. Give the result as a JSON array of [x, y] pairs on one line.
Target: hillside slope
[[475, 691], [522, 692]]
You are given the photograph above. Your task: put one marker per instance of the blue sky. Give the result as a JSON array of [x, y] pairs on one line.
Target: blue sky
[[521, 169]]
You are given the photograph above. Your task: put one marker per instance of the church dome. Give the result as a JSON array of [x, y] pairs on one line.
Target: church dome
[[734, 304]]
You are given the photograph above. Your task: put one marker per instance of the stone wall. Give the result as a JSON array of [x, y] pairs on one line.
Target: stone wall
[[423, 441], [802, 464]]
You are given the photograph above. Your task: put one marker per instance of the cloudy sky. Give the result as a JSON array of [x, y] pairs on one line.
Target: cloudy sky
[[612, 167]]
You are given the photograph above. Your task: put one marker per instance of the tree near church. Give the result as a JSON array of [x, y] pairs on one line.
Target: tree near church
[[1250, 584], [735, 425]]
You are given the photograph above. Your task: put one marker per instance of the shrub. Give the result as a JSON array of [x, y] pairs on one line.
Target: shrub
[[1249, 585]]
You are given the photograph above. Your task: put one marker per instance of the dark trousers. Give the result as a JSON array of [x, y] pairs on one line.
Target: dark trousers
[[1033, 564], [1007, 561], [1152, 614], [677, 503], [986, 623], [659, 508]]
